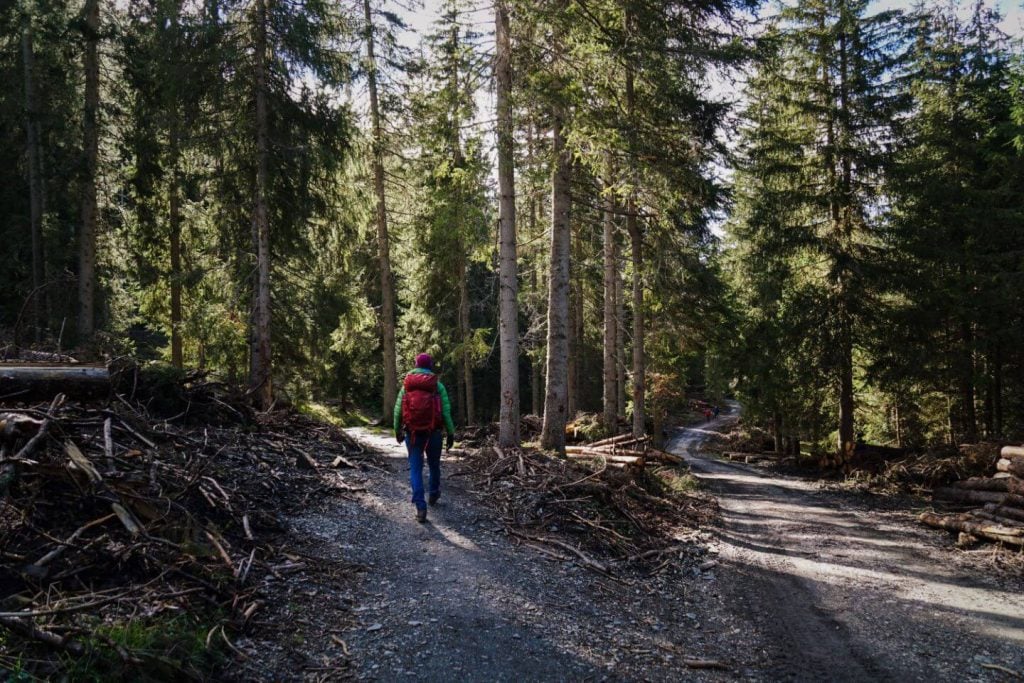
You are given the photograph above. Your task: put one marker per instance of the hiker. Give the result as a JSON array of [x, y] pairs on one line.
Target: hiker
[[717, 411], [421, 410], [707, 414]]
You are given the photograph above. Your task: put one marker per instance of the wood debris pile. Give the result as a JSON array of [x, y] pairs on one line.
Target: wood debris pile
[[487, 434], [624, 452], [108, 516], [589, 511], [1001, 497]]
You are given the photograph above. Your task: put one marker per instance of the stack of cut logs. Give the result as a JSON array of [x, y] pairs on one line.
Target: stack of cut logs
[[1002, 496], [624, 452], [766, 458]]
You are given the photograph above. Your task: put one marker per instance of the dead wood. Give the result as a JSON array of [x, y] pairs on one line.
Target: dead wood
[[1014, 465], [982, 529], [27, 629], [34, 381], [1013, 513]]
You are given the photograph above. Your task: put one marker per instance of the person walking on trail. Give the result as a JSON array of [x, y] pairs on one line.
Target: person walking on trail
[[421, 410]]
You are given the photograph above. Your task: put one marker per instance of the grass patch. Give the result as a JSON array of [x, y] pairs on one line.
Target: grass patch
[[334, 415], [672, 482], [164, 648]]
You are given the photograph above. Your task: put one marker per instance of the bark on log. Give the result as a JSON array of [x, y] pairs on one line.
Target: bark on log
[[1005, 511], [966, 496], [994, 532], [45, 381], [998, 519], [983, 484]]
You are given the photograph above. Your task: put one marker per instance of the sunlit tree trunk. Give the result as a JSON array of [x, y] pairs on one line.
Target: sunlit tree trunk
[[556, 394], [508, 277], [610, 358], [261, 364], [636, 252], [387, 287]]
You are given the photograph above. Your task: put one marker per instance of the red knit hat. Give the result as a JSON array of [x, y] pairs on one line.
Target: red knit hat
[[425, 360]]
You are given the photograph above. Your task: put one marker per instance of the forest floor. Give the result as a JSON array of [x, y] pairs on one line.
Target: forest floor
[[801, 584], [838, 587]]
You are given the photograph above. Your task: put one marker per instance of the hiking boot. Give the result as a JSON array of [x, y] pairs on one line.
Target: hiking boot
[[432, 499], [421, 515]]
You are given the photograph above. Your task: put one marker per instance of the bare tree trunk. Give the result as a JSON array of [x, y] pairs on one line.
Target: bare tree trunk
[[466, 334], [35, 175], [261, 380], [610, 403], [997, 390], [174, 221], [620, 337], [636, 249], [90, 146], [553, 432], [846, 400], [536, 369], [572, 379], [387, 287], [508, 276], [968, 413]]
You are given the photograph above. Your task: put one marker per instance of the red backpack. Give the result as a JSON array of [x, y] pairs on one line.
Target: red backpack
[[421, 403]]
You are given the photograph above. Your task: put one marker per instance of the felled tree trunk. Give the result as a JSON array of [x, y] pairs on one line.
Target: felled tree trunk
[[43, 381], [975, 527]]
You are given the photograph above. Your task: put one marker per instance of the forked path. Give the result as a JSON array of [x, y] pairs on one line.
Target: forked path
[[842, 592], [456, 600]]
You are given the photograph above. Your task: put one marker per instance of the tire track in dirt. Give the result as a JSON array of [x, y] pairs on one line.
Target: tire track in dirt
[[841, 592]]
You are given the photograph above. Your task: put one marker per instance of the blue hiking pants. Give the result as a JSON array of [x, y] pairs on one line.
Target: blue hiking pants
[[416, 445]]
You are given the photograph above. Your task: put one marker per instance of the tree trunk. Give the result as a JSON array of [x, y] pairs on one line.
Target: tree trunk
[[572, 381], [536, 369], [620, 337], [174, 226], [968, 414], [636, 251], [90, 147], [846, 401], [609, 333], [508, 276], [553, 431], [35, 176], [997, 391], [261, 379], [387, 287], [466, 334]]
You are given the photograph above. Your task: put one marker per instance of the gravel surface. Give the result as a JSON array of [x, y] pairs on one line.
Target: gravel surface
[[795, 584], [839, 591]]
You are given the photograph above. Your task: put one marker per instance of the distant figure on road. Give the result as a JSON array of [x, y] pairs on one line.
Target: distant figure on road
[[421, 410], [707, 414], [717, 411]]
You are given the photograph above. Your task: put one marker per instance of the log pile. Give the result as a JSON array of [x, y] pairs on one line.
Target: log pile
[[998, 514], [106, 514], [764, 458], [623, 452]]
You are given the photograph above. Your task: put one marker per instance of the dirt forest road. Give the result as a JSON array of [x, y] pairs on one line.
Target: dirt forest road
[[838, 591], [457, 599]]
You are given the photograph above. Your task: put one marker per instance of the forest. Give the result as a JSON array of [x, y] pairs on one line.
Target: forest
[[726, 299], [578, 206]]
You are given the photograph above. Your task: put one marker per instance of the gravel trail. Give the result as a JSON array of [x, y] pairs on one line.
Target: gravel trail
[[842, 592], [457, 599]]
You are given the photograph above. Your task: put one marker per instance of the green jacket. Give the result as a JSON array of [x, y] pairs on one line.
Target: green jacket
[[446, 405]]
